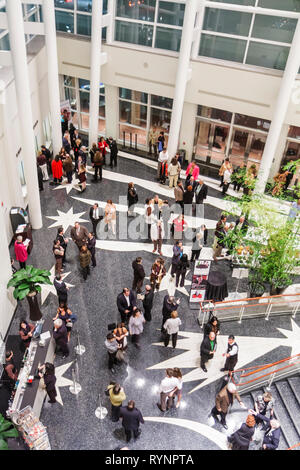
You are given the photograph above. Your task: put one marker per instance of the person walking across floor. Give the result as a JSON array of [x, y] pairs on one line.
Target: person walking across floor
[[196, 244], [61, 289], [58, 252], [158, 271], [207, 349], [103, 145], [138, 274], [91, 246], [21, 252], [240, 439], [170, 304], [85, 260], [131, 420], [117, 396], [96, 215], [178, 194], [224, 401], [126, 303], [60, 335], [68, 168], [177, 253], [132, 199], [136, 326], [112, 347], [231, 355], [157, 235], [171, 326], [167, 388], [57, 170], [174, 172], [148, 302], [63, 242], [181, 270], [47, 372], [113, 151], [79, 235]]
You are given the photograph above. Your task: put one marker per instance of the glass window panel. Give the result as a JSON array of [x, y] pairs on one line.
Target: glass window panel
[[289, 5], [68, 4], [171, 13], [292, 152], [84, 25], [104, 7], [230, 22], [85, 120], [101, 106], [21, 172], [101, 126], [214, 113], [219, 143], [64, 21], [84, 5], [104, 33], [168, 39], [4, 43], [252, 122], [202, 139], [257, 147], [160, 119], [140, 134], [134, 33], [41, 14], [267, 55], [30, 7], [222, 48], [84, 84], [84, 101], [237, 2], [133, 113], [136, 10], [274, 28], [294, 132], [161, 101], [34, 18], [239, 143], [133, 95], [70, 95], [69, 81]]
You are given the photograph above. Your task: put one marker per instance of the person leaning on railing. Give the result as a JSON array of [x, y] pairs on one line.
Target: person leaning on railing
[[263, 404]]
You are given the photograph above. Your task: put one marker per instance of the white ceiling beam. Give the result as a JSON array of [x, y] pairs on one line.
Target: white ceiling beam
[[106, 19], [3, 21], [5, 58], [32, 27]]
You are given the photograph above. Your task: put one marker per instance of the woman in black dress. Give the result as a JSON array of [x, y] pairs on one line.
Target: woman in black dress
[[47, 371], [132, 199], [181, 269]]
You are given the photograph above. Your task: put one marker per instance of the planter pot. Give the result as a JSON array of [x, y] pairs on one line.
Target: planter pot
[[277, 290], [34, 309], [256, 289]]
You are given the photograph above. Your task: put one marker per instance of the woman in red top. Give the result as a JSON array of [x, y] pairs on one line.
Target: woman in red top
[[180, 226], [102, 147], [57, 170], [21, 252]]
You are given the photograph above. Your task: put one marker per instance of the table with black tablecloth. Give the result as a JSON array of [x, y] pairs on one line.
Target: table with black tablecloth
[[216, 288]]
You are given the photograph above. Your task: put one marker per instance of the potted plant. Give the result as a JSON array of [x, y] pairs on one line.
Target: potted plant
[[255, 284], [7, 430], [26, 283]]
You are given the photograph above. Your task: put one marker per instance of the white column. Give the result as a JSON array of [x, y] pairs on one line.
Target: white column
[[280, 110], [182, 75], [112, 111], [53, 80], [19, 59], [187, 130], [95, 69]]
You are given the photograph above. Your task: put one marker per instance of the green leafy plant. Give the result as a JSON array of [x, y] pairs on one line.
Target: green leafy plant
[[7, 430], [26, 283]]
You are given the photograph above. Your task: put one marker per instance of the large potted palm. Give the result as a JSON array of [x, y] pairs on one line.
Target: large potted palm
[[26, 283]]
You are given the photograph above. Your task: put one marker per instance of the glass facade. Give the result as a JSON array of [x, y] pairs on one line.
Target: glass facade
[[75, 17], [292, 148], [139, 112], [151, 23], [31, 12], [220, 134], [77, 91], [248, 38]]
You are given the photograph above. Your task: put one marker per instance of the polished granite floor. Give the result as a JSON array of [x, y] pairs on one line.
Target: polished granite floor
[[74, 425]]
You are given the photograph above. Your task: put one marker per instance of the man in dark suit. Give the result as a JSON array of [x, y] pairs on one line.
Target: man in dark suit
[[148, 302], [96, 215], [61, 289], [113, 151], [242, 224], [207, 349], [131, 419], [48, 156], [79, 235], [126, 303], [201, 191]]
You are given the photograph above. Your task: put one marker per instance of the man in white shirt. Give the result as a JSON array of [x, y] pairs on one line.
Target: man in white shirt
[[162, 158], [96, 214], [167, 388]]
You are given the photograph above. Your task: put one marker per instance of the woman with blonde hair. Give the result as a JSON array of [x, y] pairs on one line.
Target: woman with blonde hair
[[171, 326], [110, 216]]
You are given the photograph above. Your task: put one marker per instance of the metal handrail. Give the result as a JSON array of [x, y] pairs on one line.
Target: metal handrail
[[293, 447]]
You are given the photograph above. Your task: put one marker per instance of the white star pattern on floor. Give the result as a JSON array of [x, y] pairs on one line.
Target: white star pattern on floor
[[61, 381], [49, 288], [69, 186], [250, 349], [66, 219]]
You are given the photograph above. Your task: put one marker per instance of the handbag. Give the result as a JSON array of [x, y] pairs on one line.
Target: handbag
[[69, 324], [120, 355]]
